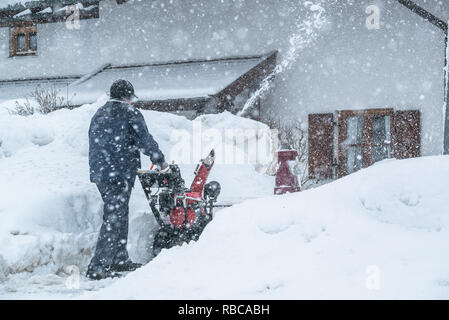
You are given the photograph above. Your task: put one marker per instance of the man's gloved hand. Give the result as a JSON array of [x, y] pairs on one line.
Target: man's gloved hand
[[165, 218], [164, 168]]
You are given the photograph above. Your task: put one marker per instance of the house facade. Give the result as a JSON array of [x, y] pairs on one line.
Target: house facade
[[364, 89]]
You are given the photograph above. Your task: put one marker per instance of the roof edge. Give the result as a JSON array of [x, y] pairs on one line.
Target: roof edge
[[191, 61]]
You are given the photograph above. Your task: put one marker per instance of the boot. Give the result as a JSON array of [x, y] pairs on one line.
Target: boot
[[126, 266], [100, 275]]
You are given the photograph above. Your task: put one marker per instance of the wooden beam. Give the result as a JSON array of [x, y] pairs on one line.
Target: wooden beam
[[192, 61], [423, 13], [173, 105], [250, 79], [446, 96], [24, 80], [7, 15]]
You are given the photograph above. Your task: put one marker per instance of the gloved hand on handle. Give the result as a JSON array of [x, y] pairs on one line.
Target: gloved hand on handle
[[164, 167]]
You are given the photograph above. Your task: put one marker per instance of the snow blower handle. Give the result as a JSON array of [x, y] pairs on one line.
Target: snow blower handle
[[163, 168], [160, 168]]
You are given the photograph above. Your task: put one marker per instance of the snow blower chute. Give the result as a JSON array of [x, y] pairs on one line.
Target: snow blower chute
[[181, 213]]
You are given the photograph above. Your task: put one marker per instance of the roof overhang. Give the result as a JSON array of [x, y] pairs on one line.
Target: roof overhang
[[47, 11], [423, 13], [178, 84], [166, 86]]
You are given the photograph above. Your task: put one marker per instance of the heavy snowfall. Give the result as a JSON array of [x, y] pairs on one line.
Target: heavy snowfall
[[388, 221]]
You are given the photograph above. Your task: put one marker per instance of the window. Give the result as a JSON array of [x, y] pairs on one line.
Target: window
[[381, 140], [24, 40], [360, 138], [33, 41], [354, 143], [364, 137]]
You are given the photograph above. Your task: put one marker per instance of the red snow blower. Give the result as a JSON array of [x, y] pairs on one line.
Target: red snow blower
[[181, 213]]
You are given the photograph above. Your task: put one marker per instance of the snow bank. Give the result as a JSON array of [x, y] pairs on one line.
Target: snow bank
[[6, 3], [49, 211], [380, 233]]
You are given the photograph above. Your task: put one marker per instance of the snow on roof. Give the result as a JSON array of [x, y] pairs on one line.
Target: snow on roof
[[190, 79], [5, 3], [77, 5], [23, 13], [14, 8], [46, 10], [438, 8], [167, 81], [13, 90], [90, 7]]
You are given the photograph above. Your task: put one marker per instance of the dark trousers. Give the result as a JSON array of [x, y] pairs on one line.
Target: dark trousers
[[111, 245]]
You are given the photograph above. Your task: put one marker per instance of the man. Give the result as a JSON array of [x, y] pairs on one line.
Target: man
[[117, 135]]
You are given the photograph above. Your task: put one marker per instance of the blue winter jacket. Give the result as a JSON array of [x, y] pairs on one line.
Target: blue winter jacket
[[117, 135]]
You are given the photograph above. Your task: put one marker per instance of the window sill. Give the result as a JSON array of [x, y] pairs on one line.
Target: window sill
[[23, 54]]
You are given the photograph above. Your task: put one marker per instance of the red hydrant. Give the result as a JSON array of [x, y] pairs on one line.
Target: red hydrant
[[286, 181]]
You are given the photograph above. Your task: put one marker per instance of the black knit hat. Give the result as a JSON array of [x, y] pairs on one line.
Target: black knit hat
[[121, 89]]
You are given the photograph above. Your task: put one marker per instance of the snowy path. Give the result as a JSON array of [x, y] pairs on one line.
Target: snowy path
[[48, 286], [381, 233], [41, 285], [50, 213]]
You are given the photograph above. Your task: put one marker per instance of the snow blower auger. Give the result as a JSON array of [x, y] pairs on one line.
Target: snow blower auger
[[181, 213]]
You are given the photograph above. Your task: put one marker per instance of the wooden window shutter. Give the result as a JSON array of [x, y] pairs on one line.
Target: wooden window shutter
[[321, 145], [407, 134]]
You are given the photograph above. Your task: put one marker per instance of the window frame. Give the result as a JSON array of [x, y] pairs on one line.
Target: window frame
[[368, 115], [26, 30]]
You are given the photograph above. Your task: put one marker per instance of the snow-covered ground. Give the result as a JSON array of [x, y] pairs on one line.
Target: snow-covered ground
[[379, 233], [50, 213]]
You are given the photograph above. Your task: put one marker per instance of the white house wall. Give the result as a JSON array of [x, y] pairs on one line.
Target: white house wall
[[400, 66], [60, 52], [349, 67], [153, 31]]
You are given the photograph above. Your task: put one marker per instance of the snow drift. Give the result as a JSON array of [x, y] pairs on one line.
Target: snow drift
[[380, 233], [50, 213]]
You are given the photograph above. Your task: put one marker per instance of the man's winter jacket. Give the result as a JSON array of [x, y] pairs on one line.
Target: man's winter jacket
[[117, 135]]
